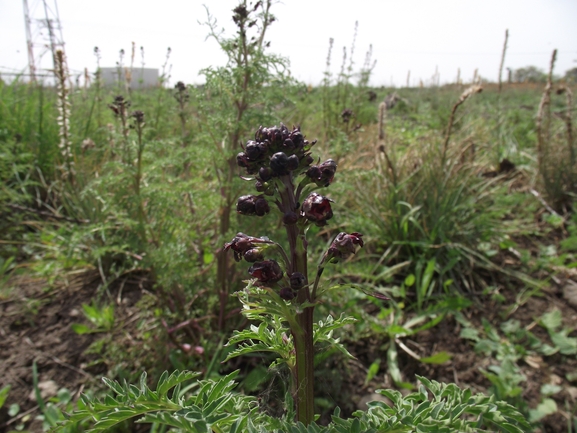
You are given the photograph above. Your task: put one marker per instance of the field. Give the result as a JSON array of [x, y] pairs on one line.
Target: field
[[116, 206]]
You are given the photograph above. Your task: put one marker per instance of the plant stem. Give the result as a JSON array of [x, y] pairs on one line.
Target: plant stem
[[303, 332]]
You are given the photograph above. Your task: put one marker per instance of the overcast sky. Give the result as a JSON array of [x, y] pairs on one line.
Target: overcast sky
[[415, 35]]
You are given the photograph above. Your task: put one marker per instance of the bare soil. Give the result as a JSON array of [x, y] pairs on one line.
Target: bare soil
[[35, 325]]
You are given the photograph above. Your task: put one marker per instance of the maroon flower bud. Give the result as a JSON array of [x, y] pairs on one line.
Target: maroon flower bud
[[275, 136], [297, 138], [328, 169], [253, 255], [180, 86], [265, 174], [261, 134], [279, 163], [255, 151], [242, 160], [252, 205], [138, 115], [288, 144], [297, 280], [343, 246], [307, 160], [260, 186], [293, 162], [290, 218], [314, 172], [267, 271], [245, 205], [346, 115], [286, 293], [317, 208], [241, 244], [261, 207]]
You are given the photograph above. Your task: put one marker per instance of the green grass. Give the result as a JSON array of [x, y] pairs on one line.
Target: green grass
[[436, 230]]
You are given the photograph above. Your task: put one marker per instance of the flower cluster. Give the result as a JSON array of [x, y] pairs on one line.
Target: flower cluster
[[275, 158], [280, 163]]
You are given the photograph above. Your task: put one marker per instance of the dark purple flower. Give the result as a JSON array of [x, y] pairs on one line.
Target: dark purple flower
[[317, 208], [253, 255], [265, 174], [328, 169], [290, 218], [252, 205], [323, 174], [293, 162], [286, 293], [346, 115], [297, 280], [242, 244], [138, 115], [261, 207], [279, 163], [254, 150], [267, 271], [343, 246]]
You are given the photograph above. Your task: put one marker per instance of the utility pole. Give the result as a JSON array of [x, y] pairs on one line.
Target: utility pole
[[29, 43], [43, 33]]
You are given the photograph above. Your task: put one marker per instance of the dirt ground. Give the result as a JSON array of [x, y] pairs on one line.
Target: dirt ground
[[35, 325]]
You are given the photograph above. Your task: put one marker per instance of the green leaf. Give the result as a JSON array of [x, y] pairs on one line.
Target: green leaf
[[410, 280], [373, 370], [80, 328], [4, 395], [470, 333], [14, 409], [437, 358], [546, 407], [208, 257], [550, 389], [567, 345], [551, 320]]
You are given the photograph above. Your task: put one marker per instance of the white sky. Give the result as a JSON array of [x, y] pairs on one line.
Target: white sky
[[415, 35]]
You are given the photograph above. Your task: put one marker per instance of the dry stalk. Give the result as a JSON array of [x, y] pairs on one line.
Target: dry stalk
[[382, 145], [382, 115], [63, 119], [464, 96], [544, 110], [503, 59], [569, 123]]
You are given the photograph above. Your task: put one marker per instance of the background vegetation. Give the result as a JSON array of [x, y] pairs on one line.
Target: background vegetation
[[466, 200]]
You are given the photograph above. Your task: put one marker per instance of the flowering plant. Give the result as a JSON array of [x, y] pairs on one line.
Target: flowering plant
[[279, 162]]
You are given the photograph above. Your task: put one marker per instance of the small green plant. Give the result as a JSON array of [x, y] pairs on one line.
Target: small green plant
[[510, 346], [101, 318]]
